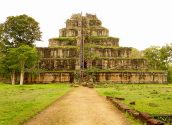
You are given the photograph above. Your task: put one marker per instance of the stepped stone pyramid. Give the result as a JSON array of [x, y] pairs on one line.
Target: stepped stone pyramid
[[84, 44]]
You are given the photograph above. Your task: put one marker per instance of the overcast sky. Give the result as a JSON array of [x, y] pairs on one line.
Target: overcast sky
[[138, 23]]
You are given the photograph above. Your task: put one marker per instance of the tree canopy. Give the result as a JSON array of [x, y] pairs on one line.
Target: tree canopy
[[135, 53], [19, 30], [19, 59], [159, 58]]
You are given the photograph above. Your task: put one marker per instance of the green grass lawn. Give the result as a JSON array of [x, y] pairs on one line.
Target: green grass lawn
[[19, 103], [150, 98]]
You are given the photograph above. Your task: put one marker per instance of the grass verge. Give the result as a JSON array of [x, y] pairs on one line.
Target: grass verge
[[19, 103], [150, 98]]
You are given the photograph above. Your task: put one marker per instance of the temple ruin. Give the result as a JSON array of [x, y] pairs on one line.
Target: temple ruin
[[84, 46]]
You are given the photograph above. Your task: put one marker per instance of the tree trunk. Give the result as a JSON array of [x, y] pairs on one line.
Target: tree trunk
[[21, 77], [13, 77]]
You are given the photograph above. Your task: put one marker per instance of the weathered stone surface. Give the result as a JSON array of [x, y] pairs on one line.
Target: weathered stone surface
[[120, 64], [154, 122], [50, 77], [144, 116], [132, 77], [119, 98], [101, 52], [133, 113]]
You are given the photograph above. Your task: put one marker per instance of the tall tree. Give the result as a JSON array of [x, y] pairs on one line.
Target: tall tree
[[27, 58], [19, 30], [166, 55], [19, 59], [9, 64], [159, 57], [153, 55]]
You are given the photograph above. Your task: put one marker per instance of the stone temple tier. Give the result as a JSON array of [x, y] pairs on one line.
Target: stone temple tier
[[103, 57]]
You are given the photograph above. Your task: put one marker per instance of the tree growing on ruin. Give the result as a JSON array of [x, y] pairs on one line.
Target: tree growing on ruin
[[19, 30]]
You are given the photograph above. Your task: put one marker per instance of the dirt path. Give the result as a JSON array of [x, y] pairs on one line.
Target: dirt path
[[82, 106]]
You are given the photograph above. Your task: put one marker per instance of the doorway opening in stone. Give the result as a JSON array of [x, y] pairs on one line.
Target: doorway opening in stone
[[85, 65]]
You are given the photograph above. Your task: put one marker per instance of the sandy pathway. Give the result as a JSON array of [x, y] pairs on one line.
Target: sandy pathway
[[82, 106]]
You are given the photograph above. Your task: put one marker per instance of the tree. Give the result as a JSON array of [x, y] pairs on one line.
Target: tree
[[9, 64], [166, 55], [135, 53], [27, 58], [159, 57], [153, 55], [19, 30], [19, 59], [1, 48]]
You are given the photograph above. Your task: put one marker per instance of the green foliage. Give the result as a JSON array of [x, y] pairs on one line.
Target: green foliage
[[2, 45], [152, 54], [97, 38], [26, 56], [159, 57], [166, 55], [65, 38], [65, 47], [88, 52], [20, 103], [1, 49], [69, 40], [8, 63], [89, 45], [23, 58], [18, 30], [95, 69], [169, 77], [150, 98], [135, 53]]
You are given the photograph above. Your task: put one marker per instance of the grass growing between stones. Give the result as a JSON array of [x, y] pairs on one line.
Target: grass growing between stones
[[132, 121], [150, 98], [19, 103]]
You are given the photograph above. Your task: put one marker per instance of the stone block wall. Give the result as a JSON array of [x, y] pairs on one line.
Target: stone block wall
[[58, 52], [50, 77], [115, 77], [55, 42], [58, 58], [120, 64], [57, 64], [121, 52], [105, 41], [99, 32], [132, 77]]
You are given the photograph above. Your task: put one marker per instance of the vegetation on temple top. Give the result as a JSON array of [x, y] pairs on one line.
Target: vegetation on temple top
[[94, 69], [120, 58], [67, 58], [99, 38], [65, 47], [71, 39], [18, 30], [92, 45]]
